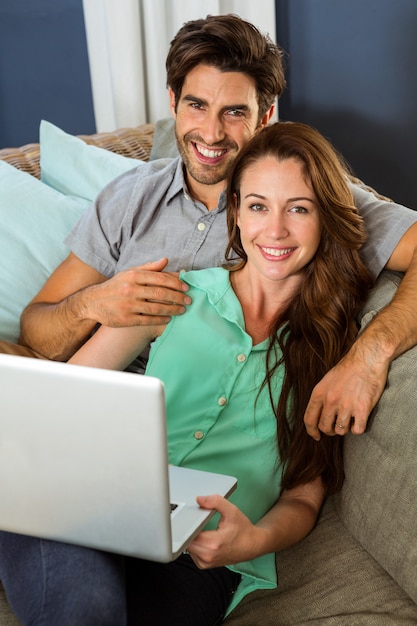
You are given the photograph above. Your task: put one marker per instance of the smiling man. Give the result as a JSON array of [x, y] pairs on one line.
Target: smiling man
[[216, 114], [223, 77]]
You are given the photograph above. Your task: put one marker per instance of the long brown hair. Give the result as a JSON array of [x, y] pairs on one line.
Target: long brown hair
[[318, 326], [230, 44]]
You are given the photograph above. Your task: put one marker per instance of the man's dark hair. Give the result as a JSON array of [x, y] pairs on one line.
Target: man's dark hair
[[230, 44]]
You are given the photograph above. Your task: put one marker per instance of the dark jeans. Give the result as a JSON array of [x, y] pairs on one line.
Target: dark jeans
[[49, 583]]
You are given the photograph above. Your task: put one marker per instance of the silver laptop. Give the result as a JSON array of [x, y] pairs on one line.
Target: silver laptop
[[83, 459]]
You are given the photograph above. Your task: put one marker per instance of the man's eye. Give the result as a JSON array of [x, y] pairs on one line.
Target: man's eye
[[235, 113]]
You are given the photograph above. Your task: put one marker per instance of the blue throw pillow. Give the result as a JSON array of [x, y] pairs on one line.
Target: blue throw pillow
[[36, 216], [34, 220], [73, 167]]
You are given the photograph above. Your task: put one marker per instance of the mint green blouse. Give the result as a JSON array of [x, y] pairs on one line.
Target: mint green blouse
[[216, 422]]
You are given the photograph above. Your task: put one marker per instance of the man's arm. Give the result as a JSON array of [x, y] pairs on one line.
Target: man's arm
[[76, 298], [345, 397]]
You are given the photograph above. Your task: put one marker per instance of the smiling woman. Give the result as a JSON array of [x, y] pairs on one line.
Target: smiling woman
[[267, 316], [280, 224], [308, 570]]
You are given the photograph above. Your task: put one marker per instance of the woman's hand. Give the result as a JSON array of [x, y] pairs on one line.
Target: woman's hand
[[236, 539]]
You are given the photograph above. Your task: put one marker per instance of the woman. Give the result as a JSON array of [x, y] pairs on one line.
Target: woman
[[241, 364], [239, 368]]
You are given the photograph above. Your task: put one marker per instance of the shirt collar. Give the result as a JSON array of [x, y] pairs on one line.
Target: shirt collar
[[180, 186]]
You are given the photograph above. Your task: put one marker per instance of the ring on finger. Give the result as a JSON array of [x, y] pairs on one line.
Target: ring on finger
[[339, 425]]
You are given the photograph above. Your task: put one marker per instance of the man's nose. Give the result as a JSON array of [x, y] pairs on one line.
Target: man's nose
[[213, 129]]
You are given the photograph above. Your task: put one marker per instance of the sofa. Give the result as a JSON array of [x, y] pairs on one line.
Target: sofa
[[359, 564]]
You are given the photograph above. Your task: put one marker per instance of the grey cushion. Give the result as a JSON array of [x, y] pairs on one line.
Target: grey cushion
[[378, 502], [328, 579], [164, 143]]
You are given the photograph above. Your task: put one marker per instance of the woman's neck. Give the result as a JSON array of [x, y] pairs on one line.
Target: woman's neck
[[261, 301]]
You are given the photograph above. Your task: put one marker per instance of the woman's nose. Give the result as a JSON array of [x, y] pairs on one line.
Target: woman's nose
[[277, 226]]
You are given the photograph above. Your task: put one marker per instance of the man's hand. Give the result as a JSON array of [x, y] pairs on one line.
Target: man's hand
[[138, 296], [76, 298], [343, 400]]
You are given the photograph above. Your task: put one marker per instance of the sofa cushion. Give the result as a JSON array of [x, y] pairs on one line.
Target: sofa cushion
[[378, 501], [73, 167], [37, 215], [327, 579], [34, 221]]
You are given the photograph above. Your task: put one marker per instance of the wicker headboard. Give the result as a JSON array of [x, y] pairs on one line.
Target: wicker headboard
[[132, 142]]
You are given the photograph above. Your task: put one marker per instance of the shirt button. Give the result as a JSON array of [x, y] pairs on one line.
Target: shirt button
[[201, 226], [221, 401], [241, 358], [198, 434]]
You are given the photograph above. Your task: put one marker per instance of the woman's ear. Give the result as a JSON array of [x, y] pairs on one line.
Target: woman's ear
[[237, 208]]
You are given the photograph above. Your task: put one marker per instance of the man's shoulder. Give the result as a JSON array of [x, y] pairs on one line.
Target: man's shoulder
[[156, 168], [149, 175]]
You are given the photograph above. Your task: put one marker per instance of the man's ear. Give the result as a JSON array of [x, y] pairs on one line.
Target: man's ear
[[266, 118], [172, 103]]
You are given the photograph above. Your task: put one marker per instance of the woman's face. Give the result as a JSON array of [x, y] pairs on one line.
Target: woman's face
[[278, 217]]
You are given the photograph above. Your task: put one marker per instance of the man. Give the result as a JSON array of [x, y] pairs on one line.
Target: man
[[221, 93]]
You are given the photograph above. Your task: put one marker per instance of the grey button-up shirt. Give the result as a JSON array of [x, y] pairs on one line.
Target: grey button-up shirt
[[146, 214]]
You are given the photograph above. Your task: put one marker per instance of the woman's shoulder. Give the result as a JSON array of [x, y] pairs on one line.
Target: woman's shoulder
[[206, 278]]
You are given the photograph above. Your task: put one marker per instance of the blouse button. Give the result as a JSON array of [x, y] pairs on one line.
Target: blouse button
[[241, 358], [198, 434], [201, 226], [221, 401]]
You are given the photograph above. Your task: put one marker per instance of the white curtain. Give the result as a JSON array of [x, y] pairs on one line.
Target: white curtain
[[128, 41]]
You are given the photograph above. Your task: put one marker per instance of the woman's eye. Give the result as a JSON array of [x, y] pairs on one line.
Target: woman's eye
[[257, 207], [298, 209]]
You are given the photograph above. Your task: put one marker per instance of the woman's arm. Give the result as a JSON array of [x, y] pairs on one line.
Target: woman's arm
[[236, 539], [115, 348]]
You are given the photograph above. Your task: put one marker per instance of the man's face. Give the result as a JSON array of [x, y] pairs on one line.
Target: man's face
[[216, 114]]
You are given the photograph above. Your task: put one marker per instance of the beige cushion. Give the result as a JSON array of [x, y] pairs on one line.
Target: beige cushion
[[378, 502]]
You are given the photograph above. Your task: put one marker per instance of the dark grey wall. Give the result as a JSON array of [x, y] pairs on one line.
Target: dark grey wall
[[352, 73], [44, 70]]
